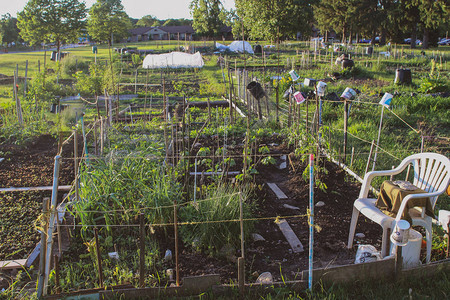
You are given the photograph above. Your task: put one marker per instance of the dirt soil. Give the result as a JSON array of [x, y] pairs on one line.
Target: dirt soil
[[274, 254], [27, 166], [33, 166]]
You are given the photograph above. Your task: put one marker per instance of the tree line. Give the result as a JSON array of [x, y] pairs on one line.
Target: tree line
[[63, 21]]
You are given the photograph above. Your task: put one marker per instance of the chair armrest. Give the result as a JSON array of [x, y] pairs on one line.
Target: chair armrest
[[413, 196], [371, 175]]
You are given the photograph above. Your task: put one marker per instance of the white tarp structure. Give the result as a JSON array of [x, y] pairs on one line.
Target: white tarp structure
[[173, 60], [221, 47], [239, 46]]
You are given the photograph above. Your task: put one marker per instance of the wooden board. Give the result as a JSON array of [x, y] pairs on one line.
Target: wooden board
[[349, 273], [290, 236], [36, 188], [279, 193], [12, 264]]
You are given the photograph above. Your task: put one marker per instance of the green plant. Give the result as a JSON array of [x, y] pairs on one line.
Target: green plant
[[212, 222], [71, 64]]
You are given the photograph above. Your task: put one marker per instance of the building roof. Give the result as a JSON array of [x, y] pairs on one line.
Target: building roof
[[140, 30], [177, 29], [167, 29]]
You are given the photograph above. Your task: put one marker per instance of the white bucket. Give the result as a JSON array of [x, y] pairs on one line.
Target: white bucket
[[299, 97], [348, 94], [411, 252], [321, 86], [294, 75]]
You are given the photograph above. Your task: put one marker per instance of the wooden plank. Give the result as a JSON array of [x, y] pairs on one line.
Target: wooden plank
[[12, 264], [35, 254], [214, 173], [279, 193], [35, 188], [349, 273], [290, 236]]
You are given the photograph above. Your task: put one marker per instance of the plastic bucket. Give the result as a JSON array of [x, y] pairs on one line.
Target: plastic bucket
[[309, 82], [294, 75], [256, 90], [321, 86], [403, 76], [348, 94], [411, 252], [299, 97]]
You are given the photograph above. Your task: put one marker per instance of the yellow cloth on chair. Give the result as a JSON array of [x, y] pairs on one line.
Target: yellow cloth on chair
[[391, 197]]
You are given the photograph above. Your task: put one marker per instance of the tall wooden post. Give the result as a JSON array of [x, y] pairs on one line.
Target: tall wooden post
[[345, 128], [141, 251]]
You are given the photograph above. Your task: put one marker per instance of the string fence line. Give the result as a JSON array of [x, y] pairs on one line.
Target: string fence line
[[152, 207], [277, 219]]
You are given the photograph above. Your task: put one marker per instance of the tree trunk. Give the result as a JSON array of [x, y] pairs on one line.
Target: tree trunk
[[374, 35], [426, 39], [413, 37]]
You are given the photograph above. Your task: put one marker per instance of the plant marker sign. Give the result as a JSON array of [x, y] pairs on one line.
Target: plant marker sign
[[349, 94], [321, 86], [299, 97], [386, 100], [294, 75]]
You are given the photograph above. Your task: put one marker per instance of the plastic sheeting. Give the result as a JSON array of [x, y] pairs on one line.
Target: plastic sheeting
[[173, 60], [221, 47], [237, 46]]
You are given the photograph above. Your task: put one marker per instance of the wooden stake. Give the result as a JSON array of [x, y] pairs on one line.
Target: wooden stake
[[241, 275], [43, 248], [75, 163], [56, 262], [175, 226], [370, 157], [141, 251], [99, 258], [25, 83], [345, 128]]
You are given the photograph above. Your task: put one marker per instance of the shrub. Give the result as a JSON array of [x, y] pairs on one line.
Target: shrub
[[72, 64]]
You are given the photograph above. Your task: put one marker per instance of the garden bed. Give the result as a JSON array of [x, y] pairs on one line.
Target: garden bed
[[273, 255]]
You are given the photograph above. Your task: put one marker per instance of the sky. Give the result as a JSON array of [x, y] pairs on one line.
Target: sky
[[162, 9]]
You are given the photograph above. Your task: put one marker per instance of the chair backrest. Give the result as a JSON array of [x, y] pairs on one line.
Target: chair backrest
[[431, 172]]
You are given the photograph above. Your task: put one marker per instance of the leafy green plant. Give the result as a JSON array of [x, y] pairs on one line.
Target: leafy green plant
[[214, 219]]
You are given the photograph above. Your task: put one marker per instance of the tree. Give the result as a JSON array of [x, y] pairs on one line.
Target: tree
[[339, 15], [146, 21], [107, 18], [58, 21], [177, 22], [8, 29], [207, 17], [265, 19], [433, 14]]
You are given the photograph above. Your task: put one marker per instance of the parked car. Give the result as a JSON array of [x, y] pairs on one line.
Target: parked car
[[444, 41], [408, 41]]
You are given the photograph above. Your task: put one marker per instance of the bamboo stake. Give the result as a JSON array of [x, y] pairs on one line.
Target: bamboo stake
[[141, 251], [43, 249], [175, 226], [99, 258]]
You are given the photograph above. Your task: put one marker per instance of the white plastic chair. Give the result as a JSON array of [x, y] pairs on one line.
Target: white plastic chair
[[431, 173]]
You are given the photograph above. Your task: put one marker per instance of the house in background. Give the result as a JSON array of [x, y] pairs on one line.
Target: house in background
[[161, 33]]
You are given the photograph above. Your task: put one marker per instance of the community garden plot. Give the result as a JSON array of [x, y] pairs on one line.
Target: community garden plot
[[154, 152]]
